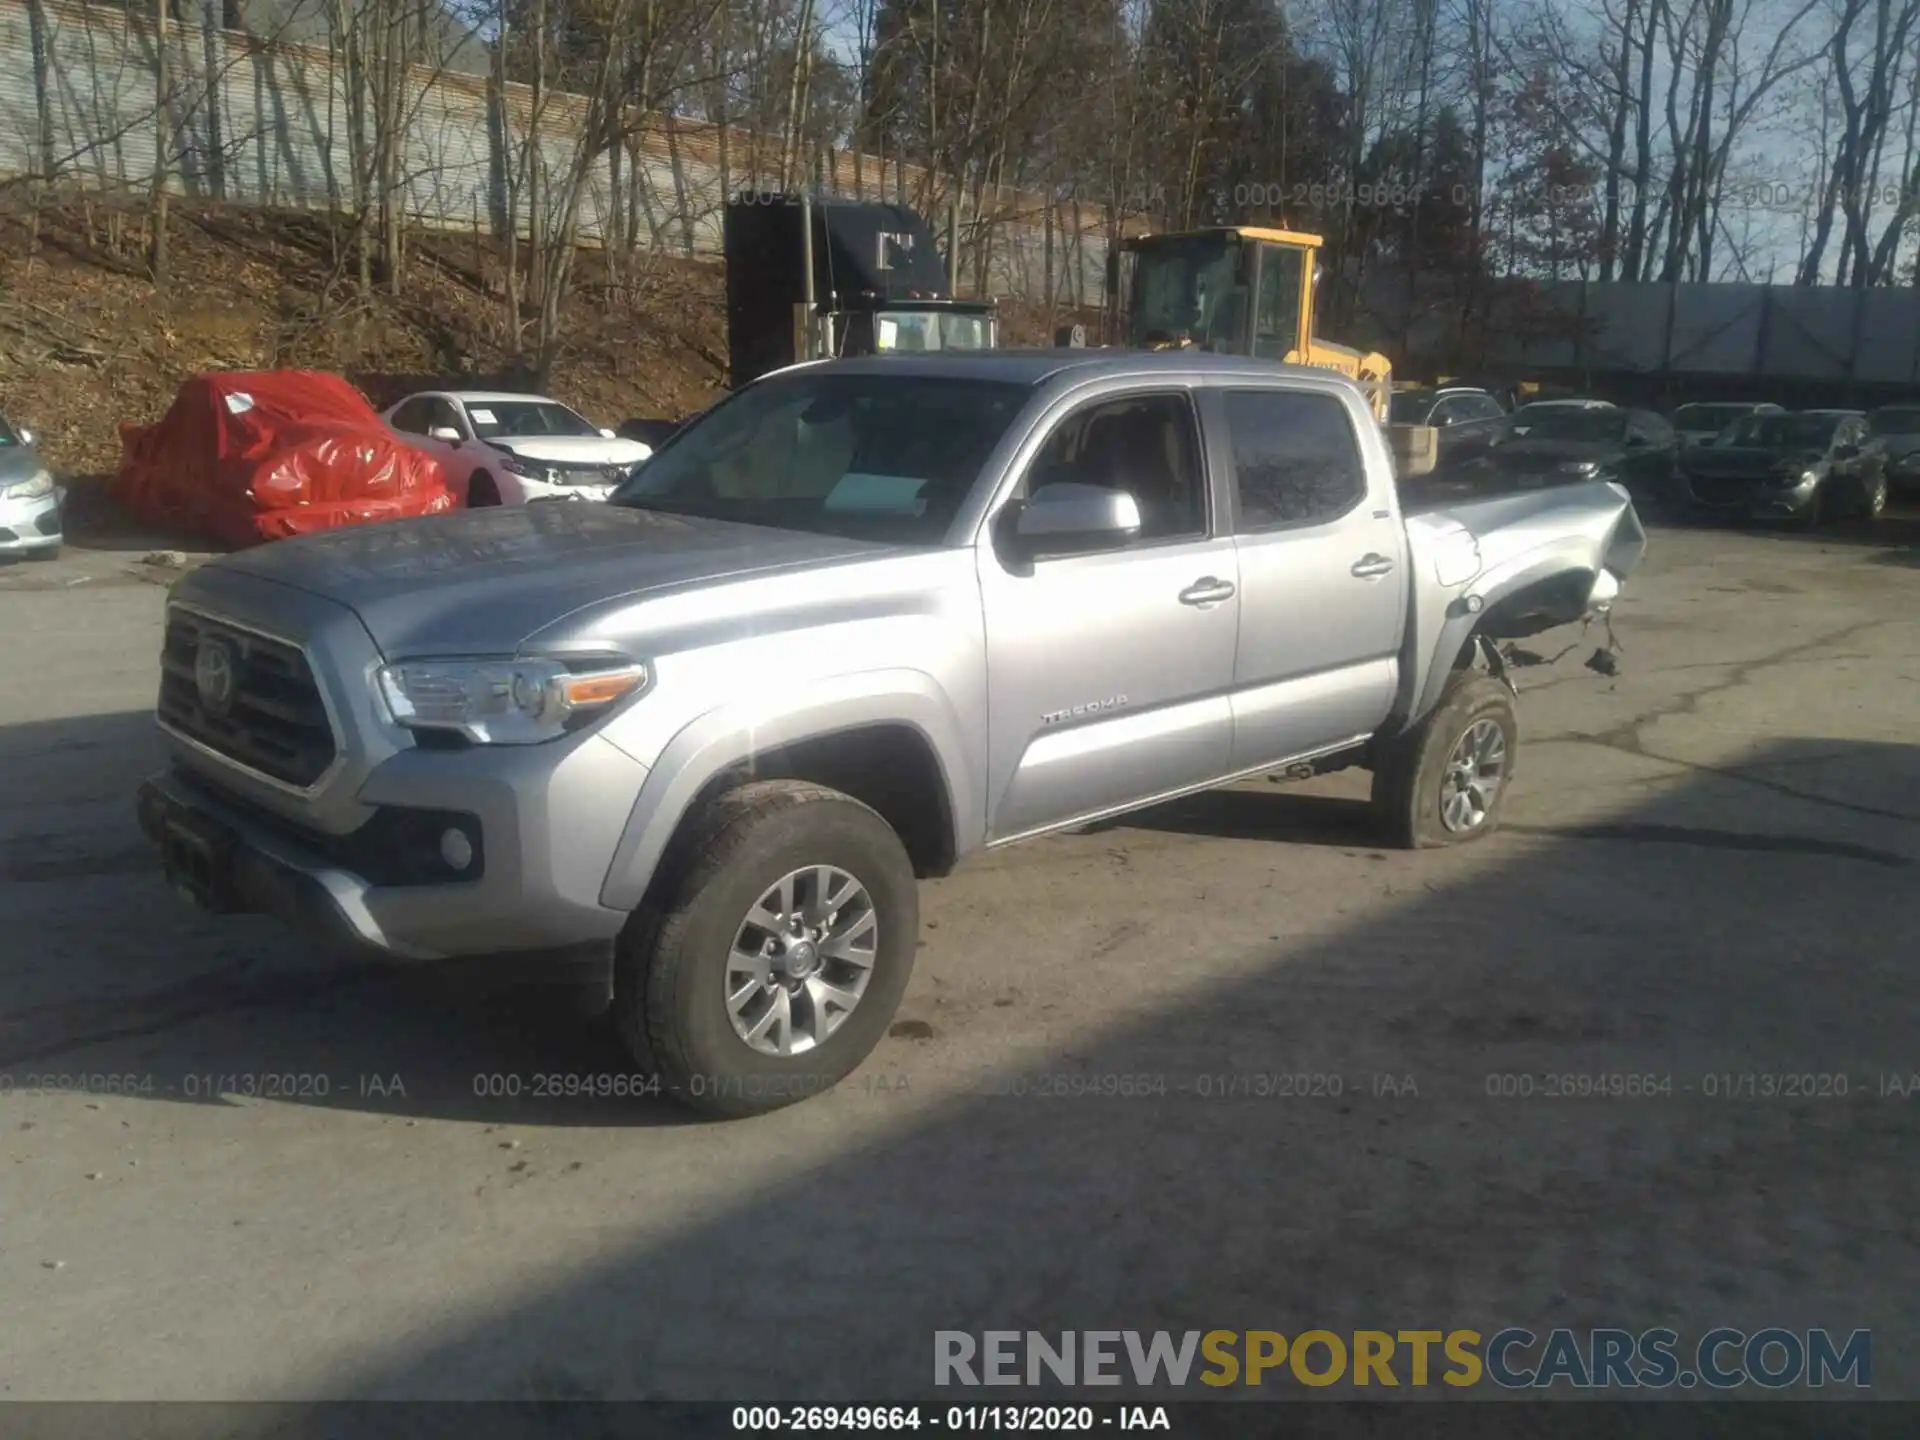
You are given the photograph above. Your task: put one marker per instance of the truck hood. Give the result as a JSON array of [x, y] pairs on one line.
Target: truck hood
[[480, 582]]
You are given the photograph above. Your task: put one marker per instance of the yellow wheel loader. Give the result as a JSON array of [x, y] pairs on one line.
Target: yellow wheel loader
[[1244, 290]]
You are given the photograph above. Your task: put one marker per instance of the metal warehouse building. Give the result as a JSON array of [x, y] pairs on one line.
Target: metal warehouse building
[[1668, 343]]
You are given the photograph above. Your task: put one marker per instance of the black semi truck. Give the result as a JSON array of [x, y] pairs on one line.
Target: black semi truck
[[812, 279]]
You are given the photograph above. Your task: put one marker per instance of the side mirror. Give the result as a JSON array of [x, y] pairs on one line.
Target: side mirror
[[26, 436], [445, 433], [1071, 516], [608, 435]]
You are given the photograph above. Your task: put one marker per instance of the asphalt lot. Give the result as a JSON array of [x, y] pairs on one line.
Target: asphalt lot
[[1710, 871]]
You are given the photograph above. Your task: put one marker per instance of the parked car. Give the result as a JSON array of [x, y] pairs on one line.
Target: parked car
[[1701, 424], [30, 500], [1893, 435], [1807, 466], [694, 745], [505, 449], [1551, 445], [1580, 402], [1467, 419]]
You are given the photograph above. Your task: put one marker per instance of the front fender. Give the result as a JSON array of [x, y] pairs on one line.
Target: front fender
[[724, 737]]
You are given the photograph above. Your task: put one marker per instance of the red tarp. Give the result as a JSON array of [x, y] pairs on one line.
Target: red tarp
[[247, 456]]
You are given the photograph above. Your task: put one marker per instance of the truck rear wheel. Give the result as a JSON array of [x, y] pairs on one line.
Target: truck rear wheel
[[776, 959], [1445, 780]]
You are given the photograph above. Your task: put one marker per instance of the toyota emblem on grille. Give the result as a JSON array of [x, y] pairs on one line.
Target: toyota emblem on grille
[[213, 676]]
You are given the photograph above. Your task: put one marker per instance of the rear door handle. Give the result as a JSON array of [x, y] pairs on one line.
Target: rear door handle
[[1206, 591], [1372, 567]]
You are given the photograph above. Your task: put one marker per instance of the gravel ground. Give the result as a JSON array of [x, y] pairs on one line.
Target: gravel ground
[[1709, 873]]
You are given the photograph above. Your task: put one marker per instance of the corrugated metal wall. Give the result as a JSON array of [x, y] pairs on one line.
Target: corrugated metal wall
[[1757, 332], [266, 124]]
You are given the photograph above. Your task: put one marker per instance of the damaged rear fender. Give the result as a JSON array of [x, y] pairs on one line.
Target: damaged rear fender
[[1538, 560]]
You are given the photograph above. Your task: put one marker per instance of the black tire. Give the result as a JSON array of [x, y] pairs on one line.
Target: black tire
[[482, 491], [50, 552], [669, 994], [1410, 779]]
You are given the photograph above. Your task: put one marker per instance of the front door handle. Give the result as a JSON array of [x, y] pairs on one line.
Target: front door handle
[[1206, 591], [1372, 567]]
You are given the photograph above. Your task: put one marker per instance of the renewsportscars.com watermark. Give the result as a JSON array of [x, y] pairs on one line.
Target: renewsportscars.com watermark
[[1513, 1359]]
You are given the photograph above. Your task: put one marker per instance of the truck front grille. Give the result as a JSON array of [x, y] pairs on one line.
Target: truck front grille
[[255, 702]]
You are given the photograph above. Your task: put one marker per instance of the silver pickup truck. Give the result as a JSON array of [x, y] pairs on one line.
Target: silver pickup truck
[[691, 748]]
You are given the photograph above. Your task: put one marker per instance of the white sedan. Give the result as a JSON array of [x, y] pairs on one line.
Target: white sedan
[[504, 449]]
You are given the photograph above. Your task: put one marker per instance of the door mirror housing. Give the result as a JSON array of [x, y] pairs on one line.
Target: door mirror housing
[[26, 436], [608, 435], [1071, 516], [444, 433]]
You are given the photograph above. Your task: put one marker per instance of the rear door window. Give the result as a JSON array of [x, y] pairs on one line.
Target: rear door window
[[1296, 459]]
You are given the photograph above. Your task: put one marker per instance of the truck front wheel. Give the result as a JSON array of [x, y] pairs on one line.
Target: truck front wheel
[[776, 960], [1445, 780]]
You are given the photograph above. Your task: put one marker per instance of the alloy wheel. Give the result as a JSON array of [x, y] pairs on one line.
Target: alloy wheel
[[1475, 771], [801, 960]]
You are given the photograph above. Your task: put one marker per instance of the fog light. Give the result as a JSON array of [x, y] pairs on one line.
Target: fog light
[[456, 849]]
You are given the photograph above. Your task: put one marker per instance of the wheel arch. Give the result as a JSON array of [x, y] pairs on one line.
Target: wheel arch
[[896, 749]]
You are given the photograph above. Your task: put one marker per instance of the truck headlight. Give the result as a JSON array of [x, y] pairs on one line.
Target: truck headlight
[[506, 701], [38, 485]]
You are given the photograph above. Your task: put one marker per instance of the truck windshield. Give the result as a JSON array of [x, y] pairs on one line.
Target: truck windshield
[[863, 456], [1180, 290], [908, 331]]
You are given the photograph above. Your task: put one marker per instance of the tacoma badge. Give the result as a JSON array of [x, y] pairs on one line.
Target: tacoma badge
[[1092, 707]]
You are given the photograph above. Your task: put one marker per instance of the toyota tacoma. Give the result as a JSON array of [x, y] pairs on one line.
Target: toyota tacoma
[[691, 748]]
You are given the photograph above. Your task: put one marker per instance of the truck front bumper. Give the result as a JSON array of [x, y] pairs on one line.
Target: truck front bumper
[[530, 887]]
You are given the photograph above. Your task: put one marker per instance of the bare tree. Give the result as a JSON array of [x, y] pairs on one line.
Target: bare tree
[[1867, 89], [166, 141]]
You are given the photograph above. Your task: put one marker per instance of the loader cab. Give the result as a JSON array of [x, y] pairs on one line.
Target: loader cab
[[1234, 291]]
